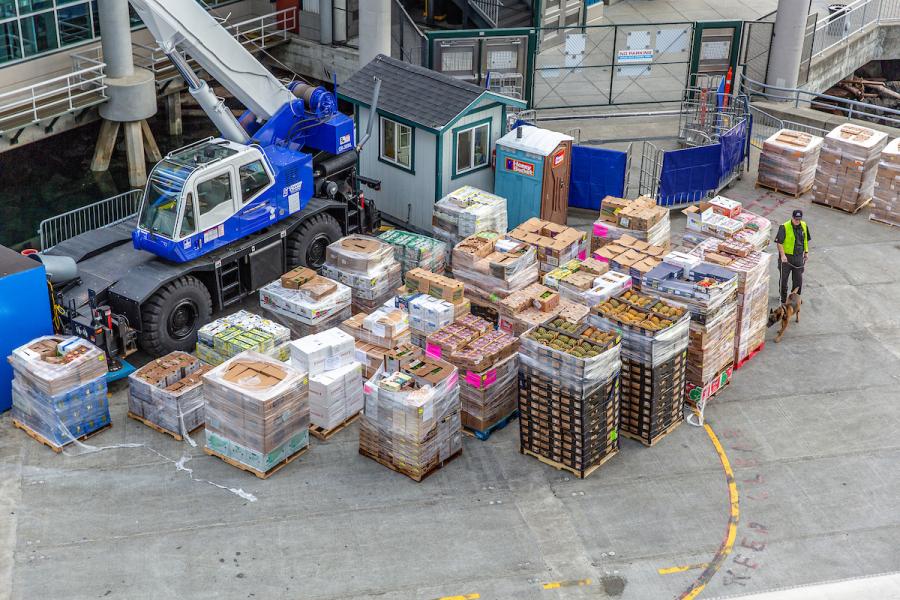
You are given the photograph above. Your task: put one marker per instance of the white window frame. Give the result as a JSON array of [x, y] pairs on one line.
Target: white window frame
[[412, 131], [472, 166]]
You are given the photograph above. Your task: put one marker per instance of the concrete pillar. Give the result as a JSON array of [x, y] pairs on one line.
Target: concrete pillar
[[116, 38], [326, 22], [173, 114], [786, 52], [374, 30]]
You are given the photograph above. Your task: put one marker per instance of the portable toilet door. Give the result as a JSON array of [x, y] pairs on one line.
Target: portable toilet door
[[557, 172], [519, 179]]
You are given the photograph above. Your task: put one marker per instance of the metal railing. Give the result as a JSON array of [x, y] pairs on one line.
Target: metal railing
[[766, 125], [408, 43], [488, 9], [53, 97], [855, 18], [104, 213], [258, 33], [851, 109]]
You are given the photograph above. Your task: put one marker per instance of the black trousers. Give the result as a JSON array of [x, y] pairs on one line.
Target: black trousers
[[795, 273]]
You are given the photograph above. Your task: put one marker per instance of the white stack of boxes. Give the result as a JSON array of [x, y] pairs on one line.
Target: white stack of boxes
[[367, 266], [306, 302], [468, 211], [427, 314], [335, 377]]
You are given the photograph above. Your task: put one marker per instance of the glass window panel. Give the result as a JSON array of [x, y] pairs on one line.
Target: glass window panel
[[10, 47], [30, 6], [74, 24], [215, 195], [464, 150], [404, 148], [188, 222], [254, 179], [388, 140], [39, 33], [7, 8], [480, 155]]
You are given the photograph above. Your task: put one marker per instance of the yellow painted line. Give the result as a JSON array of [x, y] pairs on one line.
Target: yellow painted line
[[733, 518], [555, 585], [466, 597], [682, 568]]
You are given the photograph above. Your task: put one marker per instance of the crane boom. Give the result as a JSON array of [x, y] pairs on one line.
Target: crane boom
[[185, 25]]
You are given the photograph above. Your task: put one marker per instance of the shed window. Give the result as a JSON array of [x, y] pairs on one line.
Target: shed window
[[472, 147], [396, 143]]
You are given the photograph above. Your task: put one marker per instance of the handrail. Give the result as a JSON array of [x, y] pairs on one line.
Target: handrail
[[488, 9], [413, 53], [104, 213], [851, 108], [854, 18]]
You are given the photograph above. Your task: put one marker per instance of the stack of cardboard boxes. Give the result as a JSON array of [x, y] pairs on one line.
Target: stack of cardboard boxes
[[488, 368], [305, 302], [414, 251], [411, 422], [569, 395], [229, 336], [376, 333], [167, 394], [59, 389], [752, 270], [257, 412], [848, 162], [335, 377], [886, 202], [432, 301], [467, 211], [726, 219], [631, 257], [788, 161], [555, 244], [367, 266], [640, 218], [576, 278], [526, 308], [493, 266]]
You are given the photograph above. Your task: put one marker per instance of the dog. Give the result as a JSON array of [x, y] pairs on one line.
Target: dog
[[783, 313]]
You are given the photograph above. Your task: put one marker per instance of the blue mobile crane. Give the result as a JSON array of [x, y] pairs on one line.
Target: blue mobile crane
[[224, 216]]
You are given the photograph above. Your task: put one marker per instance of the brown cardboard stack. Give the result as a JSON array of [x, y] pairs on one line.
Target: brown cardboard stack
[[631, 256], [640, 218], [305, 302], [257, 412], [845, 178], [555, 244], [886, 202], [168, 393], [368, 266], [411, 421], [788, 161], [492, 266], [535, 304]]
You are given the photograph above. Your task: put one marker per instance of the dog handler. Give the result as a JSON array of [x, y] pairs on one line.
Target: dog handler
[[793, 247]]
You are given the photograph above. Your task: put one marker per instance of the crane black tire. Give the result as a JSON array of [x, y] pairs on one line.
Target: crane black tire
[[306, 245], [172, 316]]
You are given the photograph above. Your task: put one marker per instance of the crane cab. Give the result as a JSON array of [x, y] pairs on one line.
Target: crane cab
[[214, 192]]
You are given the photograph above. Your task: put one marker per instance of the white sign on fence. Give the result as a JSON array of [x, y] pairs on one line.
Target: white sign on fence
[[644, 55]]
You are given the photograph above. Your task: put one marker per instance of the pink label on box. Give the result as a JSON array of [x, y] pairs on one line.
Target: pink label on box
[[600, 230], [473, 379], [582, 255], [432, 350], [490, 378], [481, 381], [599, 257]]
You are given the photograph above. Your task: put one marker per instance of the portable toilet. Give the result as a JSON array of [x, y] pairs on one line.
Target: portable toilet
[[533, 169]]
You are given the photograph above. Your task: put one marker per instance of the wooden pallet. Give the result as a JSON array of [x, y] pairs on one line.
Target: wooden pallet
[[883, 222], [484, 434], [323, 434], [656, 438], [38, 437], [775, 189], [849, 212], [260, 474], [178, 437], [560, 466], [747, 358], [414, 477]]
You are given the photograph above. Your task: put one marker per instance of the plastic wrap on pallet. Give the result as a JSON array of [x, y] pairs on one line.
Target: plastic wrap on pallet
[[604, 232], [168, 392], [56, 364], [65, 416], [885, 206], [493, 266], [711, 347], [573, 372], [386, 327], [300, 311], [256, 410], [788, 161], [229, 336], [336, 395], [367, 266], [490, 395], [322, 352], [414, 251], [555, 244], [651, 348], [467, 211], [848, 161], [703, 288]]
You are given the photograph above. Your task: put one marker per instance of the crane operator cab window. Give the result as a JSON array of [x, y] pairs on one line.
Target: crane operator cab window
[[254, 179], [188, 221], [215, 199]]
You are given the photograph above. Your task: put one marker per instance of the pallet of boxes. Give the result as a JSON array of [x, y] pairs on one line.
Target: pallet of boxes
[[305, 302], [886, 200], [242, 331], [787, 163], [488, 371], [432, 301], [411, 421], [569, 395], [752, 270], [335, 380], [639, 218], [710, 294], [257, 413], [555, 244], [166, 394], [526, 308], [367, 265], [654, 359], [726, 219], [845, 178], [587, 281], [377, 333], [414, 251], [631, 257], [492, 267], [59, 390], [467, 211]]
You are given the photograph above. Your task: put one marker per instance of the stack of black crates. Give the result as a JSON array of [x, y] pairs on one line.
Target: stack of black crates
[[568, 405], [653, 377]]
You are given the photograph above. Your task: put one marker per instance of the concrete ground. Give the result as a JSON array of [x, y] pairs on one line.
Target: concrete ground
[[810, 428]]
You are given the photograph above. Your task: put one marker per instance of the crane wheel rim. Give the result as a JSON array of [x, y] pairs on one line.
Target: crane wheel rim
[[183, 319], [315, 254]]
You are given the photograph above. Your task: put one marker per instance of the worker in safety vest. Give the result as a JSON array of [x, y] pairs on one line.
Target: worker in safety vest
[[793, 249]]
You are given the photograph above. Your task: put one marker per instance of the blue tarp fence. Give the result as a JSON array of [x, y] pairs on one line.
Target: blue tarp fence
[[596, 173]]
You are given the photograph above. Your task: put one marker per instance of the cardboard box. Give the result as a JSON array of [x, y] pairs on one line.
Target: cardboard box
[[293, 279], [322, 352]]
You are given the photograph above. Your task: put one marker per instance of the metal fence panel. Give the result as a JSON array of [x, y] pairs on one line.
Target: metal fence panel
[[93, 216], [757, 44]]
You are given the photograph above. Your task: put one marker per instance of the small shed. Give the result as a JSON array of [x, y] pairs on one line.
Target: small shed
[[433, 135]]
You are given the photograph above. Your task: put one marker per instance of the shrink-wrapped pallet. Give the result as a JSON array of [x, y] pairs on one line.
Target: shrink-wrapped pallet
[[168, 393], [367, 266], [848, 161], [228, 336], [886, 199], [467, 211], [306, 311], [788, 161], [414, 251]]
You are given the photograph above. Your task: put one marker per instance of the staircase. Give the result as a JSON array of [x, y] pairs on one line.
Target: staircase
[[516, 13], [492, 14]]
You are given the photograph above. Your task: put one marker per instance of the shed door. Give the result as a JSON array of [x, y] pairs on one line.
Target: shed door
[[518, 180], [555, 201]]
